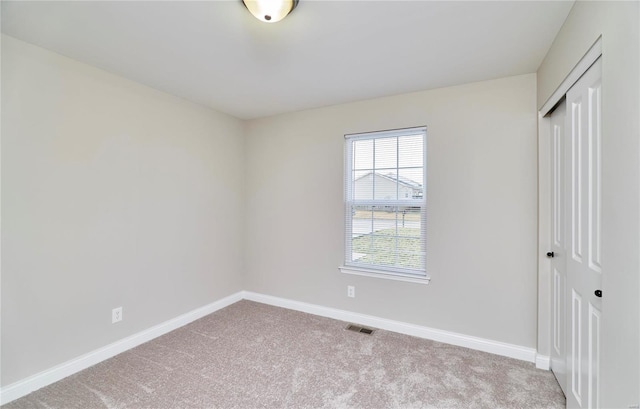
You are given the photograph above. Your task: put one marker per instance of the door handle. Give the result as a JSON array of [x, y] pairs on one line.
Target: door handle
[[550, 254], [598, 293]]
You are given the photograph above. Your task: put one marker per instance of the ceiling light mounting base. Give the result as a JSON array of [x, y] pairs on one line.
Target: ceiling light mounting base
[[270, 11]]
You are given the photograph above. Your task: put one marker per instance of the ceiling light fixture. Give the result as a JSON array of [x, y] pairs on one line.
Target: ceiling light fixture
[[270, 11]]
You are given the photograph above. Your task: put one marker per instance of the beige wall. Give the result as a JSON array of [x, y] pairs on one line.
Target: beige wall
[[618, 24], [481, 199], [113, 194]]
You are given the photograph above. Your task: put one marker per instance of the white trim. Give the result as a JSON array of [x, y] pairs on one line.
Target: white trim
[[467, 341], [25, 386], [578, 71], [32, 383], [543, 362], [416, 130], [351, 202], [387, 276]]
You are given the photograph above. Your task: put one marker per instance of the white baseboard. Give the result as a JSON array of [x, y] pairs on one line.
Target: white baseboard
[[467, 341], [25, 386], [543, 362]]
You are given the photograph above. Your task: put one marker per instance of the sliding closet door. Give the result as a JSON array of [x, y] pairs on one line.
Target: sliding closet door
[[558, 244], [583, 223]]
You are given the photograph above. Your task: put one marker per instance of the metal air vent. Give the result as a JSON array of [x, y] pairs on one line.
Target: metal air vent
[[360, 329]]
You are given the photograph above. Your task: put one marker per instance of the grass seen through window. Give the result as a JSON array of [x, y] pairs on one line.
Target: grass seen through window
[[395, 246]]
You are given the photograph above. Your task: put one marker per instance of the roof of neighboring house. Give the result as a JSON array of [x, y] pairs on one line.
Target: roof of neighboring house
[[395, 178]]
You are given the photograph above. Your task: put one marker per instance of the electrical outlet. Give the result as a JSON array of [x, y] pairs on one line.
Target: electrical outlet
[[351, 291], [116, 315]]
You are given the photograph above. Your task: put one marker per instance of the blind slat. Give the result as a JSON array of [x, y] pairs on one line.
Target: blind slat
[[385, 197]]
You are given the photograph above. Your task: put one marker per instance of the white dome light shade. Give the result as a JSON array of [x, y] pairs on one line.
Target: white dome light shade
[[270, 11]]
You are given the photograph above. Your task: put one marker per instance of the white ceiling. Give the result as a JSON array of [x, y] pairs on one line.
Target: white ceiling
[[326, 52]]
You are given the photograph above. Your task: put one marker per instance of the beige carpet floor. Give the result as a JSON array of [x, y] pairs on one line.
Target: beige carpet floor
[[251, 355]]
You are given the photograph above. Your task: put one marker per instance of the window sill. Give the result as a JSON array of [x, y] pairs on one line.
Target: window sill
[[380, 274]]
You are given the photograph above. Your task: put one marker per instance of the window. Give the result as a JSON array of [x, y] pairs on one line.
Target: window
[[385, 199]]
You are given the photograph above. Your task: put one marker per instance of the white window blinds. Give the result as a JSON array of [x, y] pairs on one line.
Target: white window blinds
[[385, 195]]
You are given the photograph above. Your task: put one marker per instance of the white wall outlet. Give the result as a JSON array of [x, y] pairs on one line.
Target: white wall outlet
[[351, 291], [116, 315]]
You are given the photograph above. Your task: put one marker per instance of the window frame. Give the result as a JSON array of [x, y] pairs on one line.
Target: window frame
[[376, 270]]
